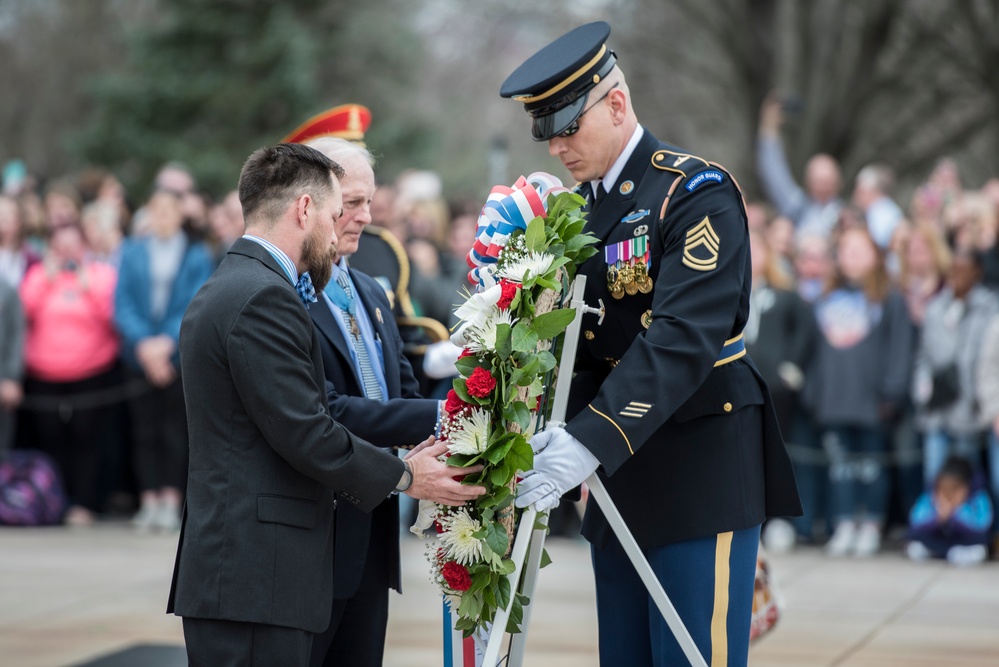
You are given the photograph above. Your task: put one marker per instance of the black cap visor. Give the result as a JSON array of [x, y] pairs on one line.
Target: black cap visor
[[554, 123]]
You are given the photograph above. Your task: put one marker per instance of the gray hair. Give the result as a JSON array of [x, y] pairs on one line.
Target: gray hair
[[339, 150]]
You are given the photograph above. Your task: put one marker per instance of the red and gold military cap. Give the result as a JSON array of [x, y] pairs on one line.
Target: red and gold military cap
[[346, 121]]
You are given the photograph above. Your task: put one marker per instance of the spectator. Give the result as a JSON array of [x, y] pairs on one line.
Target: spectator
[[948, 411], [70, 352], [856, 385], [987, 379], [11, 362], [62, 204], [872, 191], [925, 262], [160, 274], [102, 229], [15, 256], [226, 220], [814, 208], [812, 265], [780, 241], [952, 519], [780, 334]]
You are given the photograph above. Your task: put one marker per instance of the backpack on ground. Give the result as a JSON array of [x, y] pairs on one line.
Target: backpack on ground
[[31, 489]]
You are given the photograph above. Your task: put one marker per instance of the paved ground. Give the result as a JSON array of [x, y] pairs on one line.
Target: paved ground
[[68, 596]]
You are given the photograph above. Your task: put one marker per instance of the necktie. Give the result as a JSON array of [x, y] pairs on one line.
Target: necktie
[[599, 196], [306, 290], [348, 310]]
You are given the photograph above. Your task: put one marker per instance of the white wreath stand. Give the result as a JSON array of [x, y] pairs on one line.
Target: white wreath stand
[[530, 541]]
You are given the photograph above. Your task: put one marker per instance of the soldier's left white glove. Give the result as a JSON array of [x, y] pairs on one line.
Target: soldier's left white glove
[[560, 463]]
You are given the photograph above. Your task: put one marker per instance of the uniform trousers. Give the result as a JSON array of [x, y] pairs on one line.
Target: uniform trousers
[[710, 583]]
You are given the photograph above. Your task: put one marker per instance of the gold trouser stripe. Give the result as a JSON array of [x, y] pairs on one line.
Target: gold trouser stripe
[[527, 99], [719, 617], [626, 441]]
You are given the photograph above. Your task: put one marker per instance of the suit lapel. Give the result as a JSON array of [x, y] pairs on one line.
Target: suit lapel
[[616, 203]]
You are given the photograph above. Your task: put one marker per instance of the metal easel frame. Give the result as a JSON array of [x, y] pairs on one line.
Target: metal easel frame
[[531, 532]]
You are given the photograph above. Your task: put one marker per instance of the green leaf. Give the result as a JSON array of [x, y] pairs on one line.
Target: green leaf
[[546, 560], [520, 456], [496, 538], [516, 617], [547, 361], [466, 365], [525, 339], [530, 369], [523, 415], [496, 453], [552, 324], [499, 476], [503, 340], [459, 388], [503, 592], [535, 235]]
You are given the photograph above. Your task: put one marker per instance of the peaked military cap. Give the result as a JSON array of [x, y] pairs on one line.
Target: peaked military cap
[[347, 121], [555, 82]]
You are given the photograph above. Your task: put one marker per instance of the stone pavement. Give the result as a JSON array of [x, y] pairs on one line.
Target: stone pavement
[[69, 596]]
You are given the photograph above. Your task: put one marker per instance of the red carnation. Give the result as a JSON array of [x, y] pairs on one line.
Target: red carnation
[[509, 291], [456, 576], [481, 383], [454, 404], [438, 527], [465, 352]]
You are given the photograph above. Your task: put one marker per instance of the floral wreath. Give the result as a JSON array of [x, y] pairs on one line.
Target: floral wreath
[[529, 242]]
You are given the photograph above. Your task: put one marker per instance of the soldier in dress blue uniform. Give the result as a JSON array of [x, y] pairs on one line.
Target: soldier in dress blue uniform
[[665, 405]]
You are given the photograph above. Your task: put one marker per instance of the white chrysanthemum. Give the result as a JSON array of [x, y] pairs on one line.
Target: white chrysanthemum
[[469, 433], [482, 337], [479, 306], [475, 312], [458, 539], [531, 265]]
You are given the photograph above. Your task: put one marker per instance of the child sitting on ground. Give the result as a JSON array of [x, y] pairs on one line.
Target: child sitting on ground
[[953, 519]]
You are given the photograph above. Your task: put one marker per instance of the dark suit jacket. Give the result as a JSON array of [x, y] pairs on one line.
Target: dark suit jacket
[[404, 419], [688, 449], [267, 462]]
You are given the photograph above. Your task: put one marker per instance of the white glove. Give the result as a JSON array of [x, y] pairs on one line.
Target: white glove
[[560, 463]]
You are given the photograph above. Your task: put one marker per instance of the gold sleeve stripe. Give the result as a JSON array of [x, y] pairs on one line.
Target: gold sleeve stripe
[[639, 405], [626, 441], [737, 355], [719, 617]]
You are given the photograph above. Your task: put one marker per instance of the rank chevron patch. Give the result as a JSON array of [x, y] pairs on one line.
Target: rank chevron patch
[[702, 239]]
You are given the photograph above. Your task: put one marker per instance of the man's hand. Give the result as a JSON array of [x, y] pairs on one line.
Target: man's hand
[[434, 480], [154, 355], [560, 463]]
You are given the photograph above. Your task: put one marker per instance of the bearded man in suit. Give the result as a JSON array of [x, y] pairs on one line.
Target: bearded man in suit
[[268, 464]]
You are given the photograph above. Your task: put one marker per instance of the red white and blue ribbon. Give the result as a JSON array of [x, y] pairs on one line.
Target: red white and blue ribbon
[[506, 210]]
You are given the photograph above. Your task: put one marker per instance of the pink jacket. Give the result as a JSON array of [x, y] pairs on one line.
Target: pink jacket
[[70, 334]]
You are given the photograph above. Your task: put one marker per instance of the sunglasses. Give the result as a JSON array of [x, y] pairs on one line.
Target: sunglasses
[[573, 127]]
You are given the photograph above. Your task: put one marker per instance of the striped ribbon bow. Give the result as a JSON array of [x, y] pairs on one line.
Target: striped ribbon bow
[[506, 210]]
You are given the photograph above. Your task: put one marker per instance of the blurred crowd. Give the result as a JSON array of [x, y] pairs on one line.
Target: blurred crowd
[[875, 322]]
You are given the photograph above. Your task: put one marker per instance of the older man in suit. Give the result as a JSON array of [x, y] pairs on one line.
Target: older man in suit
[[373, 392], [268, 464]]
